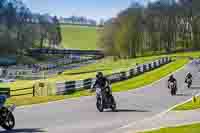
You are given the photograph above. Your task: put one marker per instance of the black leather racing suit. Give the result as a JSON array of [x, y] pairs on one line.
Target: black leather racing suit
[[173, 80], [103, 83]]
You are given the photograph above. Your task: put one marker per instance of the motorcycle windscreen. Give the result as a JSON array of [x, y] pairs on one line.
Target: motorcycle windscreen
[[12, 108]]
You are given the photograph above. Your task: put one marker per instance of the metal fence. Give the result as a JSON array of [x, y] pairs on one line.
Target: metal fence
[[46, 70], [18, 92]]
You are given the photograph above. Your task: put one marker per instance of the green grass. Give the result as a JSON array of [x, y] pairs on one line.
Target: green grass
[[28, 100], [4, 85], [149, 77], [133, 83], [191, 105], [195, 54], [193, 128], [107, 66], [79, 37]]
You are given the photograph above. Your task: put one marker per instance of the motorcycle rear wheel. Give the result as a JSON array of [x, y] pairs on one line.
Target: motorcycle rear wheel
[[114, 107], [173, 91]]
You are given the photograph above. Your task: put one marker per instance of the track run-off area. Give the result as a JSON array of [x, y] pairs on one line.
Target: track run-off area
[[80, 115]]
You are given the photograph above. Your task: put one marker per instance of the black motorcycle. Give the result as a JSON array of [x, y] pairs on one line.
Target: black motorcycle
[[105, 100], [173, 88], [7, 119], [189, 82]]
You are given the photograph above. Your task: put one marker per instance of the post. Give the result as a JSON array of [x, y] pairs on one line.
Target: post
[[9, 93], [43, 75], [194, 99], [34, 90]]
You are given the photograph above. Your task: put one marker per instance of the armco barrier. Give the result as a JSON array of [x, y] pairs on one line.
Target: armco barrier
[[64, 87], [44, 89], [5, 91], [87, 83], [37, 51], [114, 77], [18, 92], [60, 88]]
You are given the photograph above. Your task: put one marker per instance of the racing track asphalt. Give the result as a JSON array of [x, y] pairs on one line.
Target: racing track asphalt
[[81, 116]]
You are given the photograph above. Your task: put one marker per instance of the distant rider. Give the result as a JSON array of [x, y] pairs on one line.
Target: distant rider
[[188, 76], [172, 80]]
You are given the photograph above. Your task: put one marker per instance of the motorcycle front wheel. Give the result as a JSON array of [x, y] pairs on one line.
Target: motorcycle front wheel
[[189, 85], [99, 105], [9, 123], [173, 91]]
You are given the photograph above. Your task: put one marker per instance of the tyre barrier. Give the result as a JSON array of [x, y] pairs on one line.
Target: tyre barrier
[[64, 87], [60, 88], [68, 86]]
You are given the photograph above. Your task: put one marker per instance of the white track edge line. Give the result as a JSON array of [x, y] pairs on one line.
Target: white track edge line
[[157, 115], [161, 113], [176, 125]]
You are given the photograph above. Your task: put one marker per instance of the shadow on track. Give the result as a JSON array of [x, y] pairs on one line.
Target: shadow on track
[[183, 95], [195, 88], [30, 130], [128, 110]]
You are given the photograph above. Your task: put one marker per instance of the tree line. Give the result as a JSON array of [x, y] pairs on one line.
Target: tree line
[[20, 29], [163, 26]]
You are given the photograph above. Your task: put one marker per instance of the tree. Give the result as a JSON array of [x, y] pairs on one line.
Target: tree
[[107, 37], [55, 36], [21, 30], [101, 23], [43, 29], [163, 25]]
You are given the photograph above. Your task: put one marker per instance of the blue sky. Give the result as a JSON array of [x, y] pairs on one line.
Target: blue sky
[[95, 9]]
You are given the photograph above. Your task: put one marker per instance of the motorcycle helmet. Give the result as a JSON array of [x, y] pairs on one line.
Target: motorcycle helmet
[[172, 76], [189, 73], [99, 75]]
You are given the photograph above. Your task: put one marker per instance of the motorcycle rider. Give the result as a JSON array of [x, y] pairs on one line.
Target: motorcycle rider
[[172, 80], [188, 76], [103, 83]]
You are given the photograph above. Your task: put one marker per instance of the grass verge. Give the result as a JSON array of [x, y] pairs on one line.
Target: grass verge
[[193, 128], [191, 105], [79, 37], [139, 81], [149, 77], [107, 66]]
